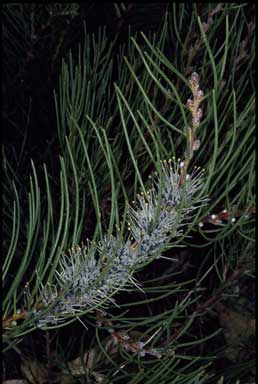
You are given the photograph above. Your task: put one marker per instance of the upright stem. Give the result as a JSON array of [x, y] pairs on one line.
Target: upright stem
[[196, 112]]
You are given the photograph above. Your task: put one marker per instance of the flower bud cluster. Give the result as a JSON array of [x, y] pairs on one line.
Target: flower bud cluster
[[193, 105], [89, 275]]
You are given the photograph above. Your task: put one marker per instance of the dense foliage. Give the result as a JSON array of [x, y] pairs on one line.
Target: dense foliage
[[130, 234]]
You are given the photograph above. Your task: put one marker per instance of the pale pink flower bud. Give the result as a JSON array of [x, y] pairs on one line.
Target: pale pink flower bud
[[195, 78], [195, 121], [189, 103], [200, 94], [196, 145], [199, 113]]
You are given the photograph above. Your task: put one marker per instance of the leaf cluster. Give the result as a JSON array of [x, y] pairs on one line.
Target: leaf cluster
[[111, 136]]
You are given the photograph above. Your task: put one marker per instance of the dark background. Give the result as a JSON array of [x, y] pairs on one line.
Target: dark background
[[34, 43]]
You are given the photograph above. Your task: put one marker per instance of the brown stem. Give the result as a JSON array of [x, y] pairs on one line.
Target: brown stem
[[7, 322], [196, 112]]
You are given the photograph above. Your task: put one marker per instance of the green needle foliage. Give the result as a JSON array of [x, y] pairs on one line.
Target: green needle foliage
[[98, 233]]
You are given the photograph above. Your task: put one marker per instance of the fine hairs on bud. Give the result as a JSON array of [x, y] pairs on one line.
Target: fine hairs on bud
[[88, 277], [91, 274]]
